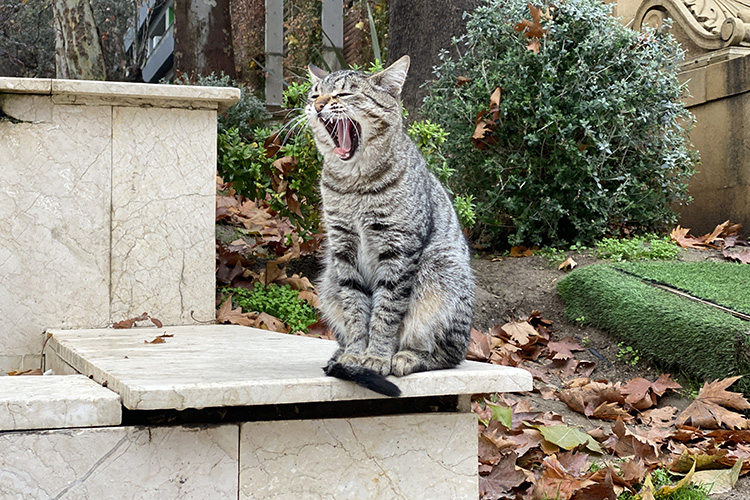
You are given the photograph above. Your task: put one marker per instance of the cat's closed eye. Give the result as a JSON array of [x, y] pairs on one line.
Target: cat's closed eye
[[343, 94]]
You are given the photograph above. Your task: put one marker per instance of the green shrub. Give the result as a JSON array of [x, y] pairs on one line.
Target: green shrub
[[279, 165], [279, 301], [586, 134], [429, 138]]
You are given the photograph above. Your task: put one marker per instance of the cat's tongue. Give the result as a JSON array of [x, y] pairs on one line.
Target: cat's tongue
[[344, 137]]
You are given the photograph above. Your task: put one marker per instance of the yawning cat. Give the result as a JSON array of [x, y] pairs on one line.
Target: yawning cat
[[397, 288]]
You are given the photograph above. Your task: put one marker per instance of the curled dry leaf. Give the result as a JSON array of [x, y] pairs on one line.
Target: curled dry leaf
[[568, 264], [710, 409], [159, 339]]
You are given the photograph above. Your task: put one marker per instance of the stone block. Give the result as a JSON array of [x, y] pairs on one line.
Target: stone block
[[115, 463], [404, 456], [55, 402]]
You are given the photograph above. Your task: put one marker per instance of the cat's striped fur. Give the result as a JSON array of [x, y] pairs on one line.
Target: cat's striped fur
[[397, 288]]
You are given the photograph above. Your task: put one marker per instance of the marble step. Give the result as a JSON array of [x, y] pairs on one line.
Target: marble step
[[56, 402], [225, 365]]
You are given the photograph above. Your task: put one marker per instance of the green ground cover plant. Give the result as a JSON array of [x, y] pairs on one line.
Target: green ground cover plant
[[672, 331], [643, 247], [279, 301], [565, 128], [723, 283]]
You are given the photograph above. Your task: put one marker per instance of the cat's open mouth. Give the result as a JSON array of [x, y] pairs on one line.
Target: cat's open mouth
[[345, 133]]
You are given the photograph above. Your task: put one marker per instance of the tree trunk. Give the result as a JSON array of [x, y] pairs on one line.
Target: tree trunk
[[421, 28], [78, 50], [203, 38]]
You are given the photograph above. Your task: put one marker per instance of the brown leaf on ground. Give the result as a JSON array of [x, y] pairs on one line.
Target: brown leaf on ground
[[641, 394], [600, 489], [29, 371], [505, 476], [568, 264], [659, 417], [709, 409], [741, 255], [625, 444], [479, 346], [521, 251], [591, 395], [564, 348], [680, 236], [520, 332], [556, 482]]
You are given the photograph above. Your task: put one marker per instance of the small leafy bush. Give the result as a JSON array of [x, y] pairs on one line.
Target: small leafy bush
[[429, 138], [566, 131], [279, 301], [279, 165], [645, 247]]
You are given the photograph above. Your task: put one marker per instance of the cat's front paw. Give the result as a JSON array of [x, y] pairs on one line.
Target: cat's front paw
[[377, 364], [406, 362], [350, 359]]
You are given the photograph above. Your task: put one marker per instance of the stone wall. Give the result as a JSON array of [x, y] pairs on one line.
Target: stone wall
[[107, 206], [716, 41]]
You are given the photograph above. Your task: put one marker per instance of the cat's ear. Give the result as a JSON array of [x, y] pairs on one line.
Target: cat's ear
[[393, 77], [316, 73]]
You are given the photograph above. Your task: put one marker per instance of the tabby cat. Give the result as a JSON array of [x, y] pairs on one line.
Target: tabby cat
[[397, 288]]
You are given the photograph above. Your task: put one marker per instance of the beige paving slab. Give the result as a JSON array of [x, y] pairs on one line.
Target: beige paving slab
[[225, 365], [54, 402]]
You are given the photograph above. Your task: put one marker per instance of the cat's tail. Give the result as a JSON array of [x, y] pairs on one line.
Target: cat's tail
[[364, 377]]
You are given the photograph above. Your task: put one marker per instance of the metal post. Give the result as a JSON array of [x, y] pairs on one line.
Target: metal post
[[274, 51], [332, 19]]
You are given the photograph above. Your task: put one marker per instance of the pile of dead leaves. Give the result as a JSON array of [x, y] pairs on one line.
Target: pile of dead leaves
[[267, 243], [724, 237], [528, 454]]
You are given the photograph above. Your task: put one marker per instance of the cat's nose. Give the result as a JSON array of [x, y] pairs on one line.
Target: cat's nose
[[320, 103]]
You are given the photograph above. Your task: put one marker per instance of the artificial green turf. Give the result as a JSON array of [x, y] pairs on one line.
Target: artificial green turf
[[675, 332], [723, 283]]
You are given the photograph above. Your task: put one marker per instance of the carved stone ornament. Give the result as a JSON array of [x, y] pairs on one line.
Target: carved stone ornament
[[710, 24]]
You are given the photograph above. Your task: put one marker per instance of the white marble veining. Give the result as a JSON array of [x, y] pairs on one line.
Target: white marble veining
[[117, 463], [431, 456], [54, 224], [163, 213], [54, 402], [107, 206], [226, 365]]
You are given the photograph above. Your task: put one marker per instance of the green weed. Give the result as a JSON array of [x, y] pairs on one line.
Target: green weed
[[627, 354], [277, 300], [646, 247]]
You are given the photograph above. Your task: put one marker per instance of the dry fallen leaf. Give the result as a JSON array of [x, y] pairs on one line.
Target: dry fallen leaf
[[709, 409], [568, 264], [159, 339]]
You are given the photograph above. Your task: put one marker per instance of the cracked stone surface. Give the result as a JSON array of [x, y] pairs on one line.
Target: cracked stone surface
[[163, 203], [227, 365], [115, 463], [54, 224], [396, 457], [54, 402], [107, 207]]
